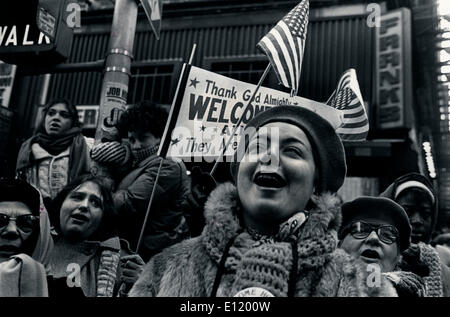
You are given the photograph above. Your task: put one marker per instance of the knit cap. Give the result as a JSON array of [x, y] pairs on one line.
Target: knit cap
[[410, 181], [375, 209], [328, 151]]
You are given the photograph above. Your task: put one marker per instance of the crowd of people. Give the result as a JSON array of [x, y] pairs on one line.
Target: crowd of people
[[278, 228]]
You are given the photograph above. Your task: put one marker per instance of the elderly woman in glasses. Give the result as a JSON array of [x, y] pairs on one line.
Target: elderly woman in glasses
[[376, 230], [25, 241], [273, 232]]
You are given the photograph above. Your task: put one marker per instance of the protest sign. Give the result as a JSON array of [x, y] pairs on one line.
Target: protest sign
[[211, 106]]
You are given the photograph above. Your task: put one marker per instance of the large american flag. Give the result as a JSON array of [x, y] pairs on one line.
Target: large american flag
[[285, 44], [348, 99]]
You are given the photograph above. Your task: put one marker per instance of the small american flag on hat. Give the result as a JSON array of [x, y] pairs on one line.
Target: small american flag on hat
[[284, 46], [348, 99]]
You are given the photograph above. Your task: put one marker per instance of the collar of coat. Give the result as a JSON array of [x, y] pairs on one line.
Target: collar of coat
[[222, 221]]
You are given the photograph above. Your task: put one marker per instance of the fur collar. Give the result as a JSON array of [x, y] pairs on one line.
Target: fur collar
[[222, 221]]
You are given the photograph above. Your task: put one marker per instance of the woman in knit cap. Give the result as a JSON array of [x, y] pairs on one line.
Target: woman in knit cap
[[377, 230], [416, 195], [274, 231]]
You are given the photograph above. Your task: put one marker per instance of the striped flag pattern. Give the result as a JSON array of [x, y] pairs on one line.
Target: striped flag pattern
[[348, 99], [284, 46]]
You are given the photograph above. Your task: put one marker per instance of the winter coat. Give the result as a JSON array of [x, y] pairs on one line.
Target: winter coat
[[189, 269], [92, 267], [51, 173], [166, 224], [438, 281]]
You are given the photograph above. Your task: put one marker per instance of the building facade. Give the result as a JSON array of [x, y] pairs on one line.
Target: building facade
[[394, 72]]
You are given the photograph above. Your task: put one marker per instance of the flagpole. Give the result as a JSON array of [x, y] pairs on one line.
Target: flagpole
[[152, 196], [266, 71]]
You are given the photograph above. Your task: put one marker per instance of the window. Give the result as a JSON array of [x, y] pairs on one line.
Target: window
[[244, 68], [155, 81]]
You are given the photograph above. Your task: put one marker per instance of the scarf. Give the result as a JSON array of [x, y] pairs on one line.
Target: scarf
[[58, 143], [21, 276], [433, 281], [142, 153], [272, 264], [288, 230]]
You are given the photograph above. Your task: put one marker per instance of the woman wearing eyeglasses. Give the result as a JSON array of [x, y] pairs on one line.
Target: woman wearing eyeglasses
[[57, 153], [25, 241], [377, 230]]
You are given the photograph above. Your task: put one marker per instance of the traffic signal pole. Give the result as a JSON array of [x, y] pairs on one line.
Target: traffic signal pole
[[117, 74]]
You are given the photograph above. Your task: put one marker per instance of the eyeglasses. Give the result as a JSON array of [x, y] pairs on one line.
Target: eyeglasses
[[25, 223], [361, 230]]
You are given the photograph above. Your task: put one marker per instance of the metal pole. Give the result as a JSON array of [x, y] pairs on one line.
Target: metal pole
[[114, 91]]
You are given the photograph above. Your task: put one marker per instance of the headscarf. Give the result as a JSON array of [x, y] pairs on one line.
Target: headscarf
[[23, 274]]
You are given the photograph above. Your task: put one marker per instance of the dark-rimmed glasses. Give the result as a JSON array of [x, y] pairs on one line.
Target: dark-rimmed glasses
[[361, 230]]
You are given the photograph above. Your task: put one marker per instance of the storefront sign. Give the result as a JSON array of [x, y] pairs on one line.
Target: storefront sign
[[393, 71]]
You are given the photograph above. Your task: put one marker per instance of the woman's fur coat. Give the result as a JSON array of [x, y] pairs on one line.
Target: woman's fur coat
[[188, 269]]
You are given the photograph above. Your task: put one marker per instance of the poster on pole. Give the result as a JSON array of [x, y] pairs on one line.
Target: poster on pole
[[211, 105], [113, 106]]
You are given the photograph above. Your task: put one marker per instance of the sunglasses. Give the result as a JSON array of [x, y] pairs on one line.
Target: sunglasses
[[25, 223], [361, 230]]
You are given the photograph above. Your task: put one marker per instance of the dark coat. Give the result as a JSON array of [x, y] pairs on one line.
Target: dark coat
[[188, 269], [166, 224]]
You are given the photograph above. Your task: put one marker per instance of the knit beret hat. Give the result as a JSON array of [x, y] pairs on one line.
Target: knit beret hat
[[18, 190], [328, 151], [376, 209]]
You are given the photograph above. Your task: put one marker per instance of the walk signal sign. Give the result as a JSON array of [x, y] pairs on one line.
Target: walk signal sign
[[34, 31]]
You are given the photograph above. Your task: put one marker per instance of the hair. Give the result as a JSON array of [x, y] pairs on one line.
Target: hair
[[70, 107], [108, 224], [144, 117]]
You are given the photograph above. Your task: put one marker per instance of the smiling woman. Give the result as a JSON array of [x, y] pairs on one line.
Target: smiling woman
[[273, 231]]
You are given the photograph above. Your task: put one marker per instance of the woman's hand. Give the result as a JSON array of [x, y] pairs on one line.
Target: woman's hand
[[132, 267]]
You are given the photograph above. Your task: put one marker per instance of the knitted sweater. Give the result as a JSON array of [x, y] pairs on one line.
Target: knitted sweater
[[190, 267]]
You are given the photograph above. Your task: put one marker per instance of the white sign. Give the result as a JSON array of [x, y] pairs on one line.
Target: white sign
[[7, 75], [211, 107]]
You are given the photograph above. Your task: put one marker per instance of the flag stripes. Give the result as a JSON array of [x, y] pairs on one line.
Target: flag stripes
[[348, 99], [284, 46]]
